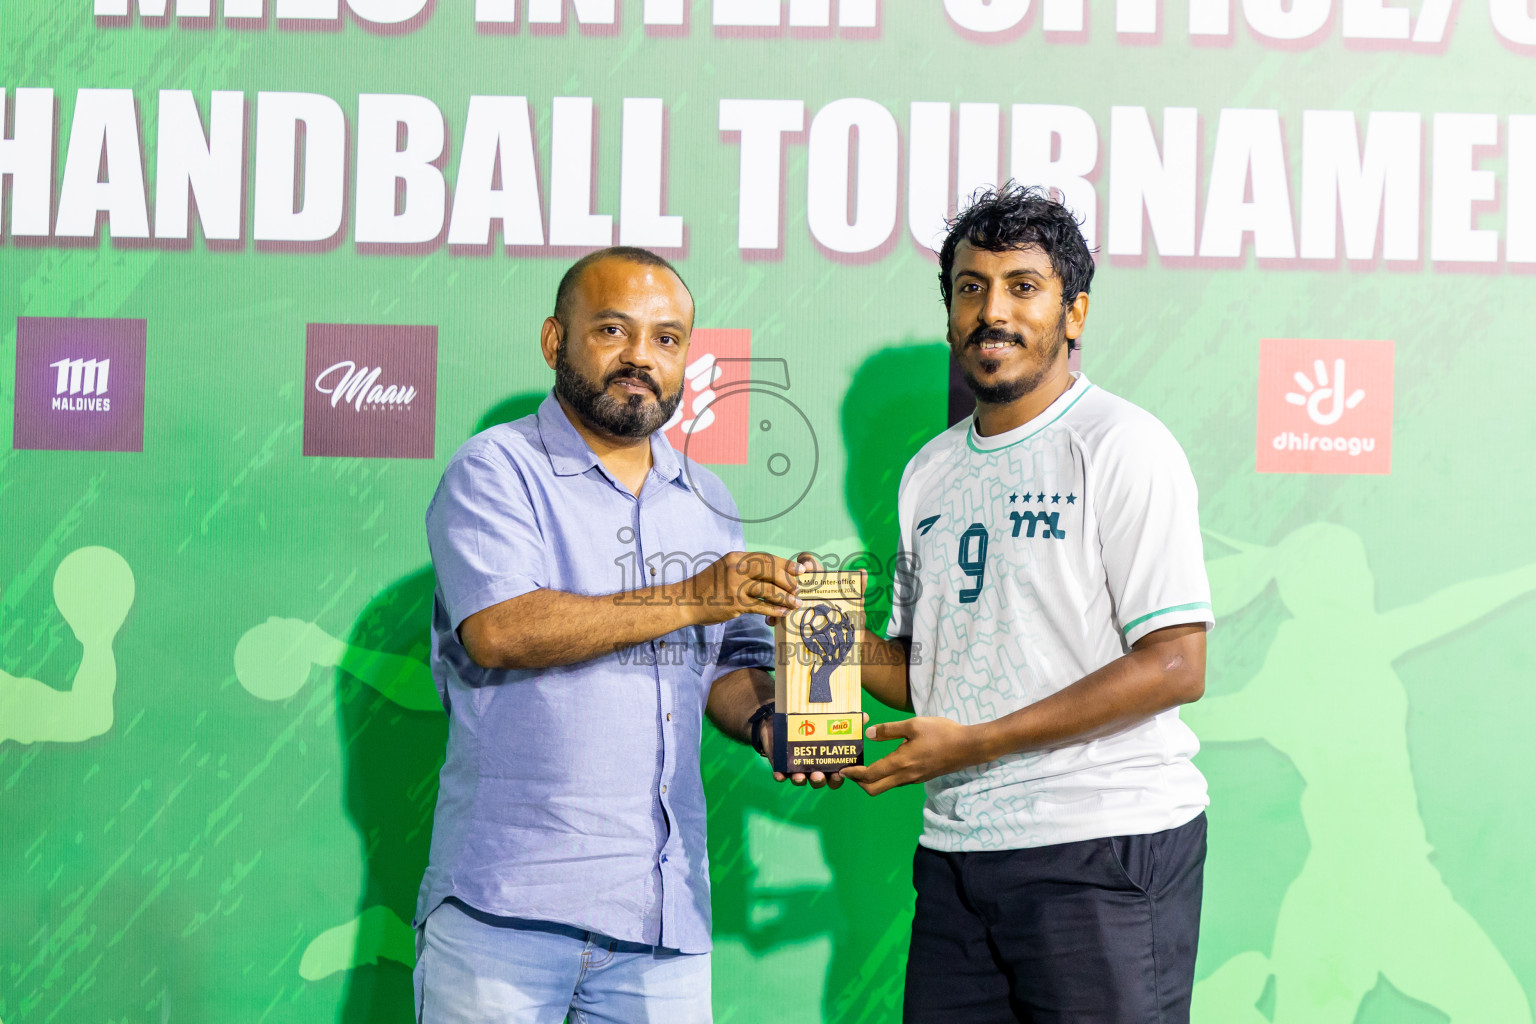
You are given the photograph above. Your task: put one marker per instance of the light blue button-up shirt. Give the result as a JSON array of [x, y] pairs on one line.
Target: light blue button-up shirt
[[572, 795]]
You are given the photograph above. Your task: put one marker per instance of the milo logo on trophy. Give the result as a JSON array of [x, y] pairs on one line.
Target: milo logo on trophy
[[817, 689]]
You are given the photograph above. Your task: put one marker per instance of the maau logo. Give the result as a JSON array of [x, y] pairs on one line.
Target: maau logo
[[370, 391], [79, 384], [1325, 406], [347, 384]]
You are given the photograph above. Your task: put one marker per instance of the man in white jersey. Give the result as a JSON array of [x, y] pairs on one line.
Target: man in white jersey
[[1054, 619]]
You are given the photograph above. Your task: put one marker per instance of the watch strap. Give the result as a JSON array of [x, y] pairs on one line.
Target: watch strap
[[755, 726]]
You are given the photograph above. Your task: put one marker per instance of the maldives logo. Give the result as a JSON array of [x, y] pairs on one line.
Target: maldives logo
[[370, 391], [79, 384], [1325, 406]]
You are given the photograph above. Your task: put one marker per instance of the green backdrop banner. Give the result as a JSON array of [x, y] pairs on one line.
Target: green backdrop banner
[[265, 265]]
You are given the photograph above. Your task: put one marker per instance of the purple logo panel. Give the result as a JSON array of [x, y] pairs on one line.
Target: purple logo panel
[[370, 391], [79, 384]]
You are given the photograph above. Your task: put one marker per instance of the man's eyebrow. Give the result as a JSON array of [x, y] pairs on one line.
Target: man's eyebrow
[[1020, 272], [615, 314]]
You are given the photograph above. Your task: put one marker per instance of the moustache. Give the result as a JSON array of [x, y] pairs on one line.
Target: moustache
[[639, 376], [982, 334]]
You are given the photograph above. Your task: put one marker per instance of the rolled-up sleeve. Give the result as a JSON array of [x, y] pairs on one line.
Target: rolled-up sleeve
[[484, 536]]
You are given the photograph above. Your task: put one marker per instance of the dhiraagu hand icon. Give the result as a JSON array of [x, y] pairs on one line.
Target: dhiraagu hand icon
[[694, 415], [1315, 394]]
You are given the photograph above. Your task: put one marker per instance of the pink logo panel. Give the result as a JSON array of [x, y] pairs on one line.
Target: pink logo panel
[[1325, 406], [711, 424]]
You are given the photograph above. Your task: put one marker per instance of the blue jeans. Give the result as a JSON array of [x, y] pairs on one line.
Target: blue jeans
[[473, 968]]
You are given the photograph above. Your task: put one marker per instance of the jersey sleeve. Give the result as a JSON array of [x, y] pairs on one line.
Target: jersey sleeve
[[1149, 529], [484, 536]]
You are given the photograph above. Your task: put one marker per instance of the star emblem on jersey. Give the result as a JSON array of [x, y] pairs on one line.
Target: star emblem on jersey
[[1014, 499]]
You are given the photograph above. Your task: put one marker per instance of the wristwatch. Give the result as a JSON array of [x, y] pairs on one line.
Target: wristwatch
[[755, 726]]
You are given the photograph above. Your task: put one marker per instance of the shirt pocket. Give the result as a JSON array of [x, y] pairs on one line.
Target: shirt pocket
[[690, 648]]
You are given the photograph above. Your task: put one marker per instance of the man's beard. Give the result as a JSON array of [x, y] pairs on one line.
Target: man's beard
[[1006, 391], [626, 417]]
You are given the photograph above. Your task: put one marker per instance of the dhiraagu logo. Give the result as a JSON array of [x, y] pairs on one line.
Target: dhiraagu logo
[[1317, 388], [1325, 406], [711, 426]]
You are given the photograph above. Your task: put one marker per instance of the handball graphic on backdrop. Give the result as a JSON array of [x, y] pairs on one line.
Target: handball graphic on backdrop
[[264, 265]]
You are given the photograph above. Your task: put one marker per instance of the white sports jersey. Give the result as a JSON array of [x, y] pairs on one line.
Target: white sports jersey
[[1032, 558]]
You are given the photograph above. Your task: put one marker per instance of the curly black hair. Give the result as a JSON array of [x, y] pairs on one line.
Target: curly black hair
[[1013, 216]]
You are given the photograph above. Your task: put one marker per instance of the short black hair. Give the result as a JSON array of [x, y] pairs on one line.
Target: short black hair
[[1015, 217], [628, 253]]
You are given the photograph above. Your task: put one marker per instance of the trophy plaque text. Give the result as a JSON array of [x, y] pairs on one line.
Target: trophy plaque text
[[818, 725]]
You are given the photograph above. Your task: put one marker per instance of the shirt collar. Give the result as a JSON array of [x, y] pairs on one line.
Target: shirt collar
[[1079, 387], [570, 455], [665, 462]]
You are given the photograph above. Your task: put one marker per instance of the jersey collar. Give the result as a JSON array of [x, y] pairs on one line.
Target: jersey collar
[[1056, 410]]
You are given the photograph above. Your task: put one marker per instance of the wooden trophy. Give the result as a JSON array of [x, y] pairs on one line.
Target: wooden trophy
[[818, 725]]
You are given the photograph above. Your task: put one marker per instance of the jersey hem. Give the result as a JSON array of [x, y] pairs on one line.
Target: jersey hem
[[1140, 825]]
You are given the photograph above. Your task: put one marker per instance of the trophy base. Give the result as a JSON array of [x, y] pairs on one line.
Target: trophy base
[[817, 743]]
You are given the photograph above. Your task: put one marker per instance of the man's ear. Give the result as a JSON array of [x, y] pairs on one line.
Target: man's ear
[[1077, 316], [550, 336]]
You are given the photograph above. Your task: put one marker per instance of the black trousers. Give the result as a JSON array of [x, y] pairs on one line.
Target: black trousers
[[1096, 932]]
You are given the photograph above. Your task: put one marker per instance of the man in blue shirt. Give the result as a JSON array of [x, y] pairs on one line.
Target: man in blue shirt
[[591, 608]]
